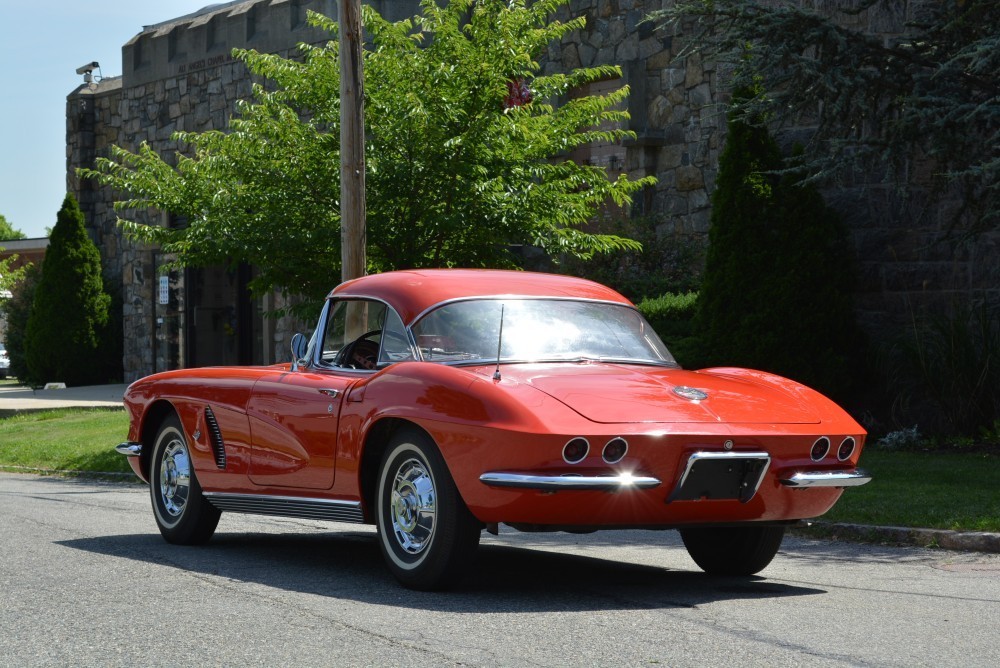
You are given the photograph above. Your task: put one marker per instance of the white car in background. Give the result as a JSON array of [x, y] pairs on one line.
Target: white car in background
[[4, 362]]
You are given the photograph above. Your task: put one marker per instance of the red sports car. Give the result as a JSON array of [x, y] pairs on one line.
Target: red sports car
[[439, 403]]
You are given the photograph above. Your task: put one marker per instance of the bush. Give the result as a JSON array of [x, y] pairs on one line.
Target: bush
[[778, 276], [64, 338], [671, 315], [947, 372], [17, 310]]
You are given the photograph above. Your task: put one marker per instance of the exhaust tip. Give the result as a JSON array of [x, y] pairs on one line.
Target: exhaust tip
[[820, 449], [847, 448], [576, 450], [615, 450]]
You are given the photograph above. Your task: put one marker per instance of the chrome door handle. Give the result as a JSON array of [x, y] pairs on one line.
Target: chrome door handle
[[330, 393]]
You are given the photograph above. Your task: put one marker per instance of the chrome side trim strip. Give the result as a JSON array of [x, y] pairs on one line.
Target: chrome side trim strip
[[566, 482], [330, 510], [129, 449], [853, 478]]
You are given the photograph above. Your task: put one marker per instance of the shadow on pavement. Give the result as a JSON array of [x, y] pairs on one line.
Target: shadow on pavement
[[348, 565]]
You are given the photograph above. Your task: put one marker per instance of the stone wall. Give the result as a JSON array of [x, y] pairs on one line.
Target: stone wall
[[908, 261], [179, 75], [673, 103]]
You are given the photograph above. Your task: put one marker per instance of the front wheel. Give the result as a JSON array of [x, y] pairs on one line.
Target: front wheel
[[182, 513], [426, 533], [744, 550]]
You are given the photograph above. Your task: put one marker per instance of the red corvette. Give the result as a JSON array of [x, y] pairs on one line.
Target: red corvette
[[439, 403]]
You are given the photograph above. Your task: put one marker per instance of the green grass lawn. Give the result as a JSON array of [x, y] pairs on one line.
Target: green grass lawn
[[65, 440], [930, 490]]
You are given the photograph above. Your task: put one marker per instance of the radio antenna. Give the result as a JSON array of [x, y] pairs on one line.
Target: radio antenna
[[496, 374]]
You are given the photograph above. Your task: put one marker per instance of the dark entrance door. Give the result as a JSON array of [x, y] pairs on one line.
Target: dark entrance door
[[224, 326]]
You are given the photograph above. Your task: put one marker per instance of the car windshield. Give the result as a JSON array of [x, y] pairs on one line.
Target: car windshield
[[536, 330]]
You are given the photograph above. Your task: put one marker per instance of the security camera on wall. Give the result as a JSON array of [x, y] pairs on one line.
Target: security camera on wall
[[88, 68]]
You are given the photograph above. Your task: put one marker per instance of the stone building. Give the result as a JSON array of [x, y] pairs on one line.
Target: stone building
[[180, 75]]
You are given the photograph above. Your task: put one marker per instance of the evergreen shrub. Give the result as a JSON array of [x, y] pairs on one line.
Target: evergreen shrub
[[779, 276], [64, 337]]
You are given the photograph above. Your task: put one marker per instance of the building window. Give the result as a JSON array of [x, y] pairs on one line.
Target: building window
[[252, 23], [174, 47], [139, 56], [298, 13], [214, 35]]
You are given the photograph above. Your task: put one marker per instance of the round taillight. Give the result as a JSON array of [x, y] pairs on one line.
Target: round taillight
[[615, 450], [575, 451], [820, 448], [846, 449]]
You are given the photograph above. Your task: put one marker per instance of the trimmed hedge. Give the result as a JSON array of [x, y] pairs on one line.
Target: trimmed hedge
[[671, 314], [672, 317]]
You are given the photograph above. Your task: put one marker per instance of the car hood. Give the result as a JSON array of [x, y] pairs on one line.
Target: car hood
[[616, 393]]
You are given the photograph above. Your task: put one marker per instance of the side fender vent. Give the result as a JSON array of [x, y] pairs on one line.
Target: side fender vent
[[215, 436]]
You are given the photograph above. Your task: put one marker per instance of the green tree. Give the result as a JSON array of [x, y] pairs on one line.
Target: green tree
[[8, 232], [925, 103], [70, 311], [778, 280], [8, 275], [16, 310], [466, 154]]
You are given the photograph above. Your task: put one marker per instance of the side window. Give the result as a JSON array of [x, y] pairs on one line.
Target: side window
[[355, 336], [395, 342]]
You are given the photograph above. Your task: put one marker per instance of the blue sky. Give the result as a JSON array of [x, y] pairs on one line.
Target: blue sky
[[41, 45]]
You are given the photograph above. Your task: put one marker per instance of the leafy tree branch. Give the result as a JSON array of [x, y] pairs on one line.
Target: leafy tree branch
[[458, 170]]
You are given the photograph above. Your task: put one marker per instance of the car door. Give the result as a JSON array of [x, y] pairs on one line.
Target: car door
[[294, 424], [294, 419]]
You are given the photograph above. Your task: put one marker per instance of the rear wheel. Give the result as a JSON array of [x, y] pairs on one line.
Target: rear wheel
[[425, 531], [742, 550], [182, 513]]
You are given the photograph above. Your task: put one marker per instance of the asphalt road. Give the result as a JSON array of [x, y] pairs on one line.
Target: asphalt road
[[86, 580]]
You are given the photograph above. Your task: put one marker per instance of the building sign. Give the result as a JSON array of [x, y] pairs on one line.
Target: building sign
[[164, 290]]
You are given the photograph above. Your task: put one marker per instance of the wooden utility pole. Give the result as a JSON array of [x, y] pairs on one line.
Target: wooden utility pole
[[352, 142]]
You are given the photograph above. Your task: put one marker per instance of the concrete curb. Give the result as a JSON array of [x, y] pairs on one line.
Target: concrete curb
[[965, 541]]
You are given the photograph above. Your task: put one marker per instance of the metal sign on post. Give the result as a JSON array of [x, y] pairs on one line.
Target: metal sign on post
[[352, 142]]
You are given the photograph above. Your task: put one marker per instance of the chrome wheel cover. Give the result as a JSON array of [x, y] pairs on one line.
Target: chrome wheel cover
[[175, 478], [412, 507]]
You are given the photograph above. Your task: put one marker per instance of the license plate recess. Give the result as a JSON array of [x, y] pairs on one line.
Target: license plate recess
[[721, 476]]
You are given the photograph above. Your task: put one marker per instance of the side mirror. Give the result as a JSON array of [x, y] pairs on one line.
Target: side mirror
[[300, 346]]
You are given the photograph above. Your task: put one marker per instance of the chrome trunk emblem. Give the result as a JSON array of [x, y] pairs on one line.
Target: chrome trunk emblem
[[690, 393]]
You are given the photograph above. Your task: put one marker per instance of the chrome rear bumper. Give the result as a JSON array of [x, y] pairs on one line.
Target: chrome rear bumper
[[853, 478], [801, 479], [558, 482]]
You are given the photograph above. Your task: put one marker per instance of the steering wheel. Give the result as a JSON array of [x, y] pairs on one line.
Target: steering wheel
[[361, 353]]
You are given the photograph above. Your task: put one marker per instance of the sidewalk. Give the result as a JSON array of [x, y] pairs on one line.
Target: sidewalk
[[19, 399]]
